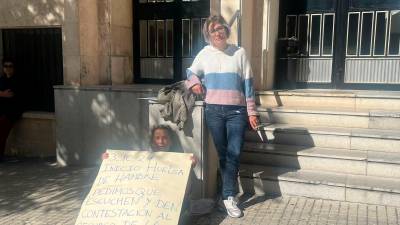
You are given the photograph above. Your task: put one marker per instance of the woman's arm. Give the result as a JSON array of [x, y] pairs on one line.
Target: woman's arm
[[194, 73], [249, 91]]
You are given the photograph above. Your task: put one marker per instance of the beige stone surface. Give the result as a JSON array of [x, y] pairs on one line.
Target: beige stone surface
[[31, 13], [71, 39], [90, 70], [378, 103], [372, 197], [383, 170], [307, 162], [375, 144], [121, 13], [384, 123], [120, 69], [89, 39], [306, 101], [72, 69], [315, 119], [32, 137], [71, 11], [121, 44], [104, 69]]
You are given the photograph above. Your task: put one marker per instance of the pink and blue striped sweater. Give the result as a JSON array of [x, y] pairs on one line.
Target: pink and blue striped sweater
[[226, 75]]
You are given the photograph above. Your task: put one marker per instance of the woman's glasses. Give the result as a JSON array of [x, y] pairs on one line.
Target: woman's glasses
[[218, 29]]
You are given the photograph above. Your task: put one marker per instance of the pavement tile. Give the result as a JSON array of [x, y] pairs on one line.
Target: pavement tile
[[41, 193]]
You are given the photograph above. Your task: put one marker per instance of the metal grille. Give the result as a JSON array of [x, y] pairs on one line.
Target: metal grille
[[313, 70], [377, 71]]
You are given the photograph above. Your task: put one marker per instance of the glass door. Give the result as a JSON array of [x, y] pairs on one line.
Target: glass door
[[372, 58], [167, 36], [306, 45]]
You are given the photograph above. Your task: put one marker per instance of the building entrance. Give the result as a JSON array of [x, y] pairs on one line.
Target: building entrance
[[347, 44]]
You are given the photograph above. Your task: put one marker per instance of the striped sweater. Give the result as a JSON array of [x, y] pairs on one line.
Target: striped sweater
[[226, 75]]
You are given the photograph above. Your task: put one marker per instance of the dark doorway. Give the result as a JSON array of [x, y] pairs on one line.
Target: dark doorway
[[39, 64]]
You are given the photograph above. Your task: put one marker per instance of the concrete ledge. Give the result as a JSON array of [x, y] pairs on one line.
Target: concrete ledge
[[340, 137], [332, 117], [38, 115], [325, 185], [333, 93], [380, 100], [381, 164], [33, 136]]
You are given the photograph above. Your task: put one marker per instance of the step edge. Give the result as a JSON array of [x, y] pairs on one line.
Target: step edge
[[328, 183]]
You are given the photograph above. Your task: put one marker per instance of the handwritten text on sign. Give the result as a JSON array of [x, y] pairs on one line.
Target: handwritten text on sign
[[137, 188]]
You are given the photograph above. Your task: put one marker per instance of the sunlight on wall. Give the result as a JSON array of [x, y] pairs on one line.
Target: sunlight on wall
[[101, 109], [31, 13]]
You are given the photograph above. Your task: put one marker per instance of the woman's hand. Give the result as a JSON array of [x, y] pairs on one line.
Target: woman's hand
[[105, 155], [197, 89], [253, 122], [194, 160]]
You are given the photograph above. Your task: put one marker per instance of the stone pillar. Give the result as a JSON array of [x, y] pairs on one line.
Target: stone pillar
[[259, 37], [94, 29], [97, 42], [121, 42], [269, 42], [71, 44]]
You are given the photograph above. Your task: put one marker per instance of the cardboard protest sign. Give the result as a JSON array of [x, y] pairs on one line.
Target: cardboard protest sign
[[137, 188]]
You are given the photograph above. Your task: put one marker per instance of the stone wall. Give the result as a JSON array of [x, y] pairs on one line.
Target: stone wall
[[96, 35], [33, 136]]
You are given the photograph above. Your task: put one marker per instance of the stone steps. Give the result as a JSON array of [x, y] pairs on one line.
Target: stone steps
[[374, 119], [345, 161], [329, 144], [353, 99], [329, 137], [318, 184]]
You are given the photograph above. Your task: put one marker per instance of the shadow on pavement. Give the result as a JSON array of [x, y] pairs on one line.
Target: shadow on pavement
[[27, 185]]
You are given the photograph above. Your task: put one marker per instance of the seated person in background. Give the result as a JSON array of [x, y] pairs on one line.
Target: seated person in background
[[10, 108]]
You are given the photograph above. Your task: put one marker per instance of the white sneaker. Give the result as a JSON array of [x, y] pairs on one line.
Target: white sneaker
[[231, 207]]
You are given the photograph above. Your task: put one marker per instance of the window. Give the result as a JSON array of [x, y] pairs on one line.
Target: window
[[315, 37], [167, 38], [314, 33], [367, 19], [291, 23], [328, 31], [380, 33], [156, 49], [352, 34], [394, 33], [303, 35]]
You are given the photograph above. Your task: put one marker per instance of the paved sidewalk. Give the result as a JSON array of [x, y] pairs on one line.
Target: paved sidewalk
[[38, 192]]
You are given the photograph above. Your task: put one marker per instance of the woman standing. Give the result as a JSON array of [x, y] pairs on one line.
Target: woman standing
[[230, 103]]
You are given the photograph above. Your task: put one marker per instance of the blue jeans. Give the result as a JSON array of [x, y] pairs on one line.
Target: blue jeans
[[227, 125]]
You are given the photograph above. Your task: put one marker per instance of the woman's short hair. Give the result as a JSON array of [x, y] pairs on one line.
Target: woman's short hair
[[215, 19]]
